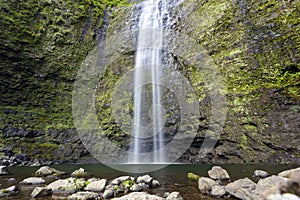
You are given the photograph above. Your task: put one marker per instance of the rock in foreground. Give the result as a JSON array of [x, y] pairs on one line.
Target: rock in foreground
[[84, 196], [8, 192], [47, 171], [41, 192], [218, 173], [33, 181], [244, 189], [174, 196], [65, 186], [96, 186], [139, 196], [3, 170], [205, 185], [80, 173], [290, 173], [260, 174]]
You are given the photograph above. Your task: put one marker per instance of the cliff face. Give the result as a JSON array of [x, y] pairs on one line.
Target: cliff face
[[255, 46], [42, 46]]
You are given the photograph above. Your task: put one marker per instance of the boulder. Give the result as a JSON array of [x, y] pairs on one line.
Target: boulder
[[33, 181], [139, 196], [47, 171], [8, 191], [144, 179], [218, 173], [80, 173], [174, 196], [84, 196], [64, 186], [193, 177], [282, 197], [11, 181], [244, 189], [108, 193], [146, 186], [205, 185], [90, 180], [260, 174], [272, 181], [121, 179], [290, 173], [3, 170], [41, 192], [218, 191], [136, 187], [96, 186], [154, 183]]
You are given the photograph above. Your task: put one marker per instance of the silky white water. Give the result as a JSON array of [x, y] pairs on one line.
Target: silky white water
[[148, 68]]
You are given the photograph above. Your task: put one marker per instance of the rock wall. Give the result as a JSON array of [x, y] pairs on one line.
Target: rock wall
[[255, 46]]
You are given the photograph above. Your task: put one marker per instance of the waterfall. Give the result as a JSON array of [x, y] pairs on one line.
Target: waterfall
[[147, 100]]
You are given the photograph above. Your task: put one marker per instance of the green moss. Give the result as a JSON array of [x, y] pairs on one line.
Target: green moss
[[128, 183], [193, 177], [243, 142]]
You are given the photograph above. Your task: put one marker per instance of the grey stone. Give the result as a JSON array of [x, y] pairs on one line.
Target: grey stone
[[136, 188], [244, 189], [260, 174], [272, 181], [108, 193], [205, 185], [96, 186], [282, 197], [174, 196], [8, 191], [144, 179], [121, 179], [155, 183], [93, 180], [46, 171], [144, 185], [139, 196], [33, 181], [218, 191], [41, 192], [3, 170], [64, 186], [218, 173], [290, 173], [84, 196], [11, 181], [80, 173]]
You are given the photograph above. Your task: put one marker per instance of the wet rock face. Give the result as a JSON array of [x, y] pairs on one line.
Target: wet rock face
[[264, 114]]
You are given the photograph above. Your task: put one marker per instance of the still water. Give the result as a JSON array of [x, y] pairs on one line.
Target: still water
[[172, 178]]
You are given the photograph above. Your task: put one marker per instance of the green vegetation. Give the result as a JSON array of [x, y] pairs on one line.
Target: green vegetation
[[193, 177], [42, 46], [256, 48], [128, 183], [255, 45]]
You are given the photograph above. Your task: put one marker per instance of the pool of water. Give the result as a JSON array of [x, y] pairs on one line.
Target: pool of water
[[172, 177]]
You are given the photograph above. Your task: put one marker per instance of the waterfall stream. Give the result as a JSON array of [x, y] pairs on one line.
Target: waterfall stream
[[149, 113]]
